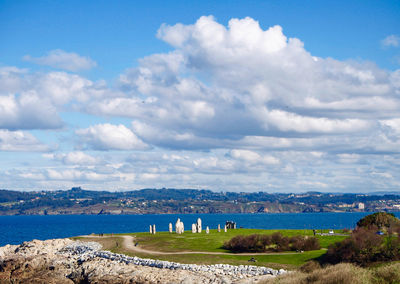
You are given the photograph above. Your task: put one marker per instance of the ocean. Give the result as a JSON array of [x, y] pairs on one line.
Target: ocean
[[17, 229]]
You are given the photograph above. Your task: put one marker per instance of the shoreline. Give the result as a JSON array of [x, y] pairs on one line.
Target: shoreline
[[68, 261]]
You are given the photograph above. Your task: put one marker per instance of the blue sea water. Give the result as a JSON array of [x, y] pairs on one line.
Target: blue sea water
[[17, 229]]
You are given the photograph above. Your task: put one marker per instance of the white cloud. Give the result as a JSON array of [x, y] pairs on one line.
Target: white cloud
[[34, 100], [19, 141], [391, 40], [285, 121], [63, 60], [28, 111], [75, 158], [234, 107], [253, 157], [224, 84], [110, 137]]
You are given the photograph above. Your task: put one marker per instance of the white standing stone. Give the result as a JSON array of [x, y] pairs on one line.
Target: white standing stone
[[219, 228], [198, 225], [194, 228], [151, 229], [225, 229], [179, 227], [154, 229], [170, 227], [207, 230]]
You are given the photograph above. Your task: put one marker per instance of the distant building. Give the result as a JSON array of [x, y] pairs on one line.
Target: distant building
[[360, 205], [345, 205], [396, 206]]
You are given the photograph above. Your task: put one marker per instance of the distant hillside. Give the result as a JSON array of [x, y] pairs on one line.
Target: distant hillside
[[170, 200]]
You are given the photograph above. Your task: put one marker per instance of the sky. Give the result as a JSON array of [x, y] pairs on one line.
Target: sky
[[276, 96]]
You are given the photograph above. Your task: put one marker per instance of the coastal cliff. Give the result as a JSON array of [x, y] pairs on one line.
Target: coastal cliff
[[67, 261]]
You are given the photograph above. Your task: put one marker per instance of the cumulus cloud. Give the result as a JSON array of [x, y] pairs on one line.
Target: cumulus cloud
[[234, 107], [223, 84], [391, 41], [61, 59], [34, 100], [110, 137], [20, 141]]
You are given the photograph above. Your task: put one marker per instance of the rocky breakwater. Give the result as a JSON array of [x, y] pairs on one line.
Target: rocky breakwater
[[67, 261]]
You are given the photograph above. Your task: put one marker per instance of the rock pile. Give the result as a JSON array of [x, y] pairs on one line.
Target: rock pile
[[67, 261], [88, 251]]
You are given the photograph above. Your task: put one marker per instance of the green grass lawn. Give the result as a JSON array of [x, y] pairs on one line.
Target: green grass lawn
[[164, 241], [286, 261]]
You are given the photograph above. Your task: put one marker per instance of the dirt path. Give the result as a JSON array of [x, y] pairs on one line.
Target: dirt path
[[128, 244]]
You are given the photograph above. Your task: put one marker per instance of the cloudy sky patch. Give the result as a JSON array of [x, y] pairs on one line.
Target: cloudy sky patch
[[232, 101]]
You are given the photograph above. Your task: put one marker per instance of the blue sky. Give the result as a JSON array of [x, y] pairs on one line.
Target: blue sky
[[281, 96]]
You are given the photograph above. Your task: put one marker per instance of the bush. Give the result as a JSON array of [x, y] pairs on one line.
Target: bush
[[274, 242], [363, 247], [310, 266]]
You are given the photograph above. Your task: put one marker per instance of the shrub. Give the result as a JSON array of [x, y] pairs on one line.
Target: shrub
[[363, 247], [311, 243], [274, 242], [310, 266]]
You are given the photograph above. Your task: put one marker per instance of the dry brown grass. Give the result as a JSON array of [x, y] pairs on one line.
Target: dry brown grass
[[310, 266], [388, 274], [343, 273]]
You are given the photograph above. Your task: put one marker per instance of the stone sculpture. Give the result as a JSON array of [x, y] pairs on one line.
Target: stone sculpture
[[219, 228], [154, 229], [225, 229], [179, 227], [198, 225], [207, 230], [194, 228], [170, 227], [151, 230]]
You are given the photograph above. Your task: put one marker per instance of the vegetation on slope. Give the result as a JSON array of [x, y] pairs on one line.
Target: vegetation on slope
[[366, 244], [380, 220]]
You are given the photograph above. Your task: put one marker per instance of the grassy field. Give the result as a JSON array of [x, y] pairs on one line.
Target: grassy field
[[213, 242], [166, 242]]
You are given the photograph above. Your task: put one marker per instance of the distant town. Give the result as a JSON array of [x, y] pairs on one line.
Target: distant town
[[169, 201]]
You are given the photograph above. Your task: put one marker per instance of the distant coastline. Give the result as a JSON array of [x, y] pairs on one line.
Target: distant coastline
[[78, 201]]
